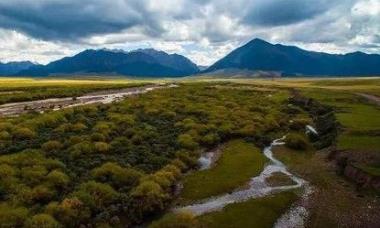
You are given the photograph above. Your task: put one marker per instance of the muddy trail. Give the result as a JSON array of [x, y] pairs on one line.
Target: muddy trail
[[104, 97], [258, 187]]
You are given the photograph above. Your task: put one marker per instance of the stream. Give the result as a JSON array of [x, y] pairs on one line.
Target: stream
[[294, 217], [104, 97]]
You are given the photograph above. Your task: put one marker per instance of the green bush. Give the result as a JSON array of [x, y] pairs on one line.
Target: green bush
[[23, 133], [12, 216], [187, 141], [117, 175], [180, 220], [42, 221], [296, 141], [52, 145]]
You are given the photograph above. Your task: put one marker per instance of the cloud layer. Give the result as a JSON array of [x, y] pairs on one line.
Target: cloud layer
[[204, 30]]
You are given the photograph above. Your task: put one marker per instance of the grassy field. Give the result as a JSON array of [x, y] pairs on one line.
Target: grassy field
[[262, 212], [238, 163], [359, 136]]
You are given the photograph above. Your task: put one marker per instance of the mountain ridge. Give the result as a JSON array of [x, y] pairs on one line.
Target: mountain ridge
[[14, 67], [260, 55], [102, 61]]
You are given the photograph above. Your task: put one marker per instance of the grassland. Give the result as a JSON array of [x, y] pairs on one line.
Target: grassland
[[48, 161], [238, 163], [262, 212], [359, 137]]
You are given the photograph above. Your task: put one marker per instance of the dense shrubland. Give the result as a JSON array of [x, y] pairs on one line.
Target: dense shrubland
[[118, 164]]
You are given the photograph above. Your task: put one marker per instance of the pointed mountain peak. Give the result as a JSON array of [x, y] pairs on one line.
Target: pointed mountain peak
[[258, 41]]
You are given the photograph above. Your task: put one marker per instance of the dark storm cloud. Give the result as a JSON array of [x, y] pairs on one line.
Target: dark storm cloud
[[284, 12], [67, 20], [73, 19]]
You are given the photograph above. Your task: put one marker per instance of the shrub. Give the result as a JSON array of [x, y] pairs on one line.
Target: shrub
[[115, 174], [42, 194], [210, 139], [12, 216], [187, 141], [299, 124], [96, 195], [102, 147], [23, 133], [42, 220], [180, 220], [58, 179], [78, 127], [97, 137], [296, 141], [71, 211], [4, 135], [148, 197], [51, 145]]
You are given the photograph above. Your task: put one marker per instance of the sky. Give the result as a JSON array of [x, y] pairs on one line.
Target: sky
[[202, 30]]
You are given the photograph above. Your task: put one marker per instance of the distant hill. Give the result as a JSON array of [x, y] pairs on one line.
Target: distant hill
[[7, 69], [142, 62], [259, 55]]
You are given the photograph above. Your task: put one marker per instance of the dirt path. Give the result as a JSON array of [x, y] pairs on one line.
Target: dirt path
[[104, 97], [372, 98]]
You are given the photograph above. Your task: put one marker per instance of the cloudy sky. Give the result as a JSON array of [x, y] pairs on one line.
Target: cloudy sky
[[203, 30]]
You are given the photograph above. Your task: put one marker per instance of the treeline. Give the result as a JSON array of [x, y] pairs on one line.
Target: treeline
[[117, 165]]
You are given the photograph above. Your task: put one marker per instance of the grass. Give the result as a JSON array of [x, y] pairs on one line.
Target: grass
[[358, 142], [279, 179], [374, 171], [238, 163], [360, 117], [335, 201], [262, 212]]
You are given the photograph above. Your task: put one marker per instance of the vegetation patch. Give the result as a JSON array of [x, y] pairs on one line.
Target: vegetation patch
[[239, 162], [261, 212], [296, 141], [279, 179], [118, 164], [358, 142]]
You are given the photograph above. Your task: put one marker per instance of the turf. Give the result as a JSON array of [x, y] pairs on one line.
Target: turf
[[262, 212], [359, 142], [360, 117], [238, 163]]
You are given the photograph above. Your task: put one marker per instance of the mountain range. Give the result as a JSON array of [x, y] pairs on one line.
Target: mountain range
[[142, 62], [12, 68], [257, 56]]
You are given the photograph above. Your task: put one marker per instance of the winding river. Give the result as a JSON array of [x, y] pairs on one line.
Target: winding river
[[257, 188]]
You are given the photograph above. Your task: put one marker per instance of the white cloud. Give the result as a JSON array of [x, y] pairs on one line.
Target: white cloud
[[203, 30], [15, 46]]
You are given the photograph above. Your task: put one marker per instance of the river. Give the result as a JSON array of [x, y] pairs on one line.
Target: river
[[295, 217]]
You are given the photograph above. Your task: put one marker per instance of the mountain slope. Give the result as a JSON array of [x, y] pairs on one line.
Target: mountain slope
[[136, 63], [7, 69], [259, 55]]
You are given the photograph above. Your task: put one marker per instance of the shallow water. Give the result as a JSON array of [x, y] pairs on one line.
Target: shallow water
[[311, 129], [257, 188]]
